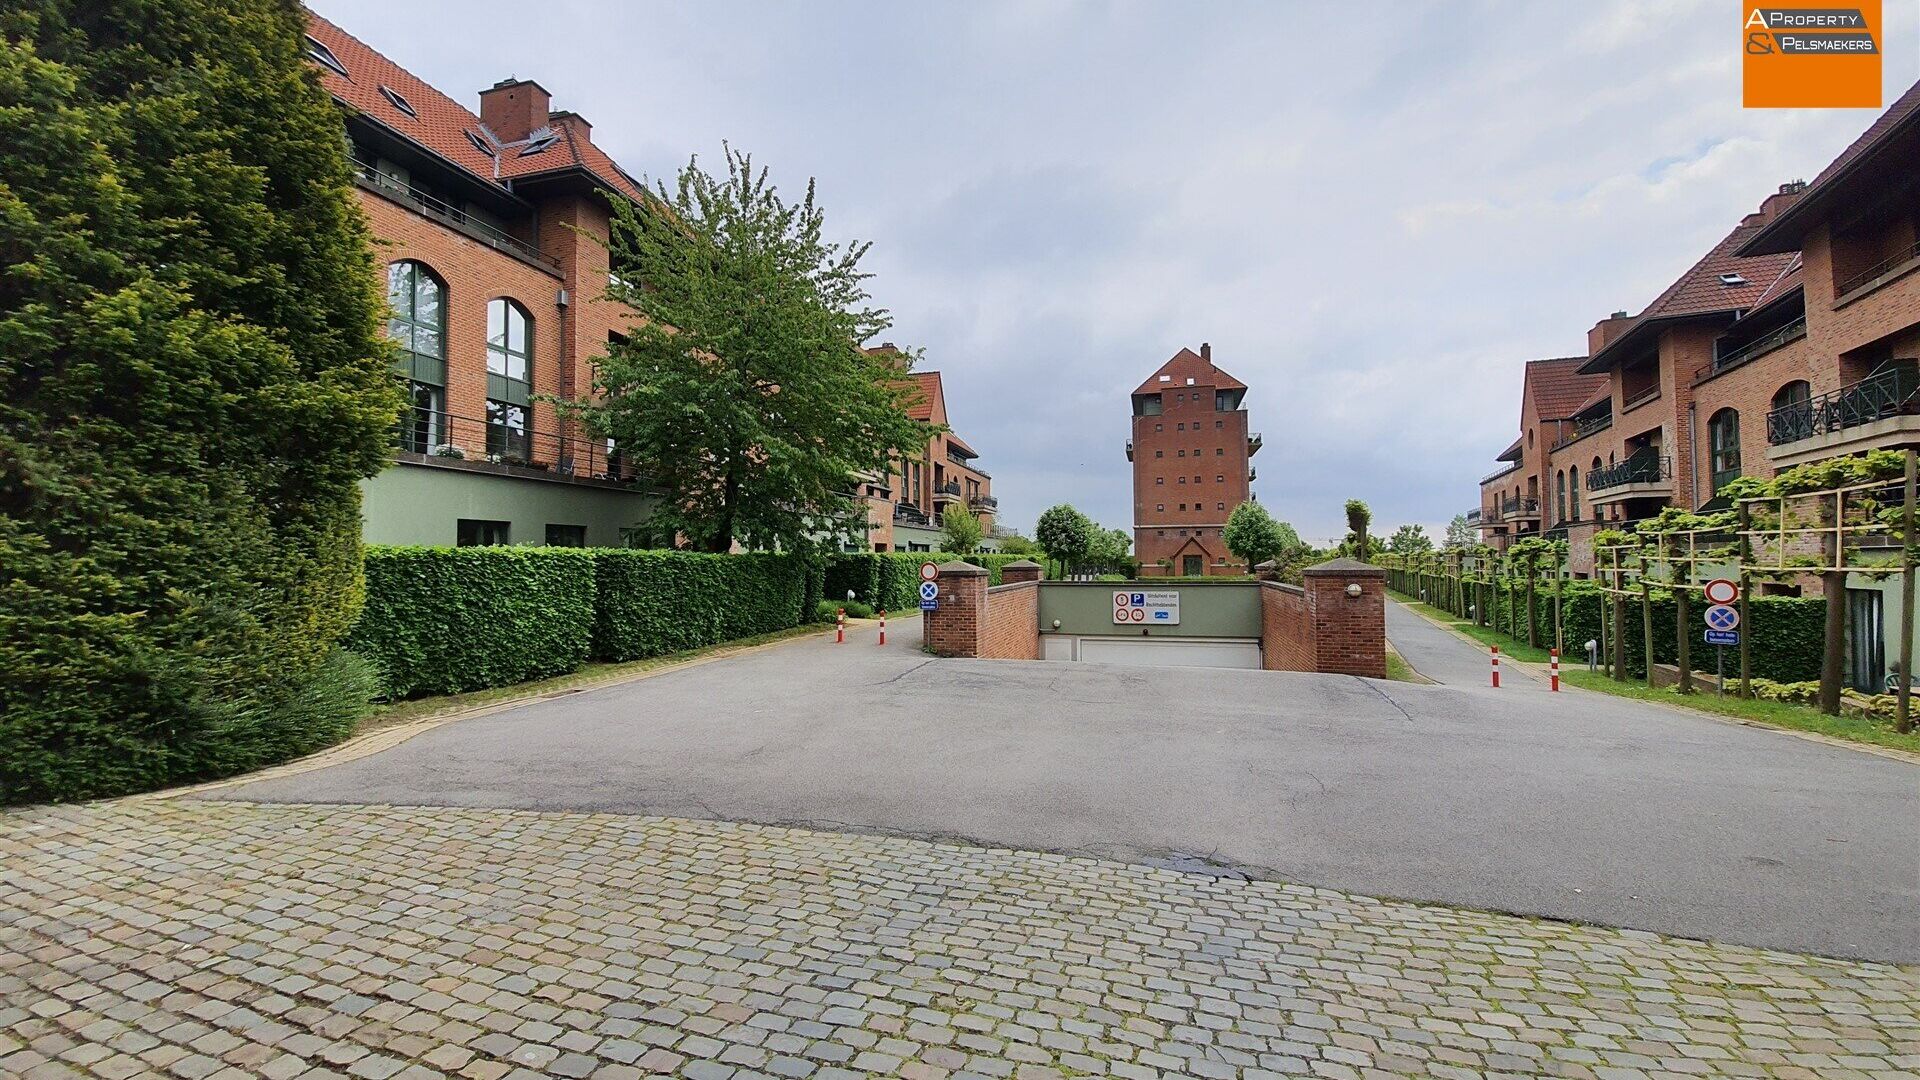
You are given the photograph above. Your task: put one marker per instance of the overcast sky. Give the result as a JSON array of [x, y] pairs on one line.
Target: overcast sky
[[1375, 212]]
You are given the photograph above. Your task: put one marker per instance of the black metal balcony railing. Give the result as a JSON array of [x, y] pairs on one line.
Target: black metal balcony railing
[[1885, 266], [1582, 429], [1519, 506], [395, 187], [1473, 517], [1645, 393], [1499, 472], [1759, 346], [909, 514], [948, 490], [986, 502], [1891, 391], [1641, 468], [448, 436]]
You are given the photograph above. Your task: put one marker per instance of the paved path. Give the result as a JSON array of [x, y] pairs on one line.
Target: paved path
[[1444, 658], [1597, 809], [198, 939]]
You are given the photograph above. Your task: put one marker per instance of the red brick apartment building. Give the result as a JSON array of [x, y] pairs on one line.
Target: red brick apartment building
[[1793, 340], [492, 225], [1189, 450], [904, 511]]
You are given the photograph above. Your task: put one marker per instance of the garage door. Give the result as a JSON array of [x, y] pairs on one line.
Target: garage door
[[1170, 652]]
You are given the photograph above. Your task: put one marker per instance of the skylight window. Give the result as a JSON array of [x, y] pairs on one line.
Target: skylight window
[[324, 55], [479, 142], [1732, 279], [542, 139], [393, 97]]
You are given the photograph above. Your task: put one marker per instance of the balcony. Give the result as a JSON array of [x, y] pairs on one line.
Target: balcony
[[1644, 475], [1582, 429], [429, 437], [1473, 517], [947, 491], [986, 502], [1878, 412], [1758, 347], [1254, 442], [369, 176], [1498, 473], [1641, 396], [1519, 508], [1878, 274], [909, 514]]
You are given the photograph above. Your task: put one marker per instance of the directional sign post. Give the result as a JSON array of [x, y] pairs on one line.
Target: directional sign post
[[1723, 629]]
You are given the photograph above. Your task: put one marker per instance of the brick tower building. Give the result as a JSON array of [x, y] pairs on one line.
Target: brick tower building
[[1189, 450]]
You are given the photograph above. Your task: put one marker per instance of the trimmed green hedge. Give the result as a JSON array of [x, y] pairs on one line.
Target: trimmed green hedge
[[653, 602], [890, 580], [446, 620], [1785, 631]]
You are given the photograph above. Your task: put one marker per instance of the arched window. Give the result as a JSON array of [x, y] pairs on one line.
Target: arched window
[[417, 323], [1560, 496], [509, 380], [1794, 393], [1723, 435], [1573, 487]]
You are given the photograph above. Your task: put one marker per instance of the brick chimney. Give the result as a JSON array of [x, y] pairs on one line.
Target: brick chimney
[[1777, 202], [1206, 352], [581, 128], [1606, 330], [513, 108]]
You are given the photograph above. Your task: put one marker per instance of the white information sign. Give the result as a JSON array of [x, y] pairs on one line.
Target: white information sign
[[1146, 608]]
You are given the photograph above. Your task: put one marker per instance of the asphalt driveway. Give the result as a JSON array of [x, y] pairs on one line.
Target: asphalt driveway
[[1577, 806]]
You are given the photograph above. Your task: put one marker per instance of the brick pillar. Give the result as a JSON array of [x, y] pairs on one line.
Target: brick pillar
[[1349, 631], [1021, 570], [955, 628]]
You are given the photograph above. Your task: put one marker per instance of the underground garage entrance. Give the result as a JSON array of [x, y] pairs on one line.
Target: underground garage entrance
[[1334, 621]]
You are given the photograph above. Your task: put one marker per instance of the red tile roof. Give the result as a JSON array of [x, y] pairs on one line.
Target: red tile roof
[[1702, 290], [926, 391], [1187, 364], [1603, 393], [1557, 387], [441, 124], [1791, 278], [1783, 233]]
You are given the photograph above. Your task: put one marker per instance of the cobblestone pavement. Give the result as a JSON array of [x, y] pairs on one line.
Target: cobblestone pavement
[[203, 939]]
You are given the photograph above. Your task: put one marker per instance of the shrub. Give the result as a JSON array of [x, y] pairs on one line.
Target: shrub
[[654, 602], [827, 611], [447, 620], [192, 385]]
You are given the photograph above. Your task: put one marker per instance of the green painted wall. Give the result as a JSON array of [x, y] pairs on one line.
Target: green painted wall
[[421, 504], [1209, 610]]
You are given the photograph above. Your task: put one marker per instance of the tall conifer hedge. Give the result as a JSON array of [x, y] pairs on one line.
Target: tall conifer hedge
[[192, 382]]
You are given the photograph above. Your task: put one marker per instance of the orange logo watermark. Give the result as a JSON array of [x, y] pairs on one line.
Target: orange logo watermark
[[1811, 57]]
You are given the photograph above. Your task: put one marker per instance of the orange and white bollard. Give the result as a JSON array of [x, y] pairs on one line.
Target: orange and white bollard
[[883, 626], [1553, 670], [1496, 667], [840, 635]]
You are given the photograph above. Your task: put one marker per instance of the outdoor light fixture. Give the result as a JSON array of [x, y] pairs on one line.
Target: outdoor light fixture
[[1056, 624], [1353, 588]]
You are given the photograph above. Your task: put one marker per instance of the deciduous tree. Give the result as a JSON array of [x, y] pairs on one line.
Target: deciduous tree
[[746, 392], [1066, 535], [959, 529]]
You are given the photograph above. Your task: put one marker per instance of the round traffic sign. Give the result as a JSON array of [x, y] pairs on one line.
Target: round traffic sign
[[1138, 614], [929, 590], [1119, 599], [1721, 591], [1119, 614], [928, 571], [1722, 617]]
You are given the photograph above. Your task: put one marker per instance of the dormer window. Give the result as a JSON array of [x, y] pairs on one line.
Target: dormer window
[[541, 139], [1731, 280], [393, 98], [479, 142], [324, 55]]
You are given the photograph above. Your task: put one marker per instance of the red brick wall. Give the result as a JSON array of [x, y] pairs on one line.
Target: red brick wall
[[1349, 632], [1189, 445], [955, 627], [1286, 628], [1866, 319], [1012, 627]]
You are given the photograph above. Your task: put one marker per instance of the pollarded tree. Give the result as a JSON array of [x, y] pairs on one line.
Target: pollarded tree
[[192, 384], [1358, 544], [959, 529], [1066, 535], [745, 391]]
